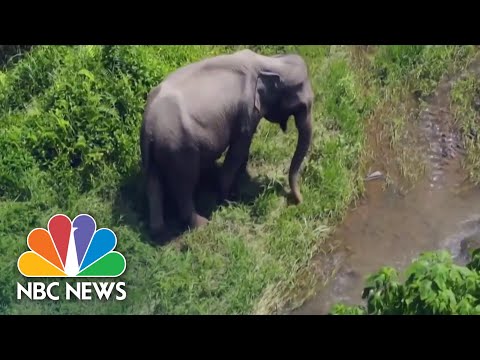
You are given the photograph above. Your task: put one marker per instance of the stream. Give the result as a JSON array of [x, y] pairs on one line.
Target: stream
[[390, 229]]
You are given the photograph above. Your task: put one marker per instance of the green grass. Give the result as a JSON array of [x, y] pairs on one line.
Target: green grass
[[466, 105], [69, 125]]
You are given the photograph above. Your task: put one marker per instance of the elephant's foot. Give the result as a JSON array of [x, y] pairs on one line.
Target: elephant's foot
[[235, 193], [198, 221], [224, 198], [225, 192], [233, 196]]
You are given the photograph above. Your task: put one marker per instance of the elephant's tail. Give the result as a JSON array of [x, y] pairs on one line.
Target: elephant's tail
[[154, 186], [145, 149]]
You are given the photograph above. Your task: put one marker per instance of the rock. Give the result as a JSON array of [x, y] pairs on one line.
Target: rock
[[469, 244], [476, 103], [375, 175], [473, 133]]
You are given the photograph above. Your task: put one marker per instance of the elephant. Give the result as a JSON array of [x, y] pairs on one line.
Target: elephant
[[213, 106]]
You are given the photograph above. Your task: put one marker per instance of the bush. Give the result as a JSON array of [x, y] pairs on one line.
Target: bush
[[86, 111], [434, 285]]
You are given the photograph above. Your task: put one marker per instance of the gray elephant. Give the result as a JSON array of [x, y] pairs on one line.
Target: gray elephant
[[202, 109]]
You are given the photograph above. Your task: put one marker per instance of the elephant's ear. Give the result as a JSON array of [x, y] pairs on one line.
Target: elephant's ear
[[267, 89]]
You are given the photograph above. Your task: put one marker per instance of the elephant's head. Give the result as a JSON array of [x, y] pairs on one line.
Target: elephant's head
[[283, 89]]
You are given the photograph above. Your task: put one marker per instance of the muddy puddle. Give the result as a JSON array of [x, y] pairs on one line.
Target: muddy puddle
[[388, 228]]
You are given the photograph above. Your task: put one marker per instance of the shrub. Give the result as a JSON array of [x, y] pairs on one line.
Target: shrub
[[434, 285]]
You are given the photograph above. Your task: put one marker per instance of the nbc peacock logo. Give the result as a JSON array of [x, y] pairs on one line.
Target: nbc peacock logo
[[71, 249]]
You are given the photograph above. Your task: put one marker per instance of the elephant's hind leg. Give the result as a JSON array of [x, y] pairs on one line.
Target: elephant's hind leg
[[182, 182]]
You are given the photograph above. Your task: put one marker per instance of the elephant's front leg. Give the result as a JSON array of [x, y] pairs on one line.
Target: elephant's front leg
[[243, 168], [235, 161]]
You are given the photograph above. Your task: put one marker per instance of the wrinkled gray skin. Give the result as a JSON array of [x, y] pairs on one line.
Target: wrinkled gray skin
[[202, 109]]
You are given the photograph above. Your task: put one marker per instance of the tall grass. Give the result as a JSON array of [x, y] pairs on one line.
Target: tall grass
[[400, 78], [466, 107]]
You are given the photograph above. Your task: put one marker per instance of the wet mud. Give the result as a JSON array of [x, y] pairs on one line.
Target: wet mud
[[388, 228]]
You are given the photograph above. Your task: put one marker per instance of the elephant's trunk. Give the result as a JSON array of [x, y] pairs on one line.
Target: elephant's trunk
[[303, 121]]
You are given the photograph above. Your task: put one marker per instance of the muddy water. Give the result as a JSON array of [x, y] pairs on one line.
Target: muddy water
[[389, 229]]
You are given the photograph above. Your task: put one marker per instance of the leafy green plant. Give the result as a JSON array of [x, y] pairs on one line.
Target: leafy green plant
[[434, 285]]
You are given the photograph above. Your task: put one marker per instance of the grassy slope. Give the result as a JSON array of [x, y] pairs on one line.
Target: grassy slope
[[70, 119], [69, 143]]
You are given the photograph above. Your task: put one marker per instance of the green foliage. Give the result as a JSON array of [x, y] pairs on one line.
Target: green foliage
[[434, 285], [30, 77], [85, 118]]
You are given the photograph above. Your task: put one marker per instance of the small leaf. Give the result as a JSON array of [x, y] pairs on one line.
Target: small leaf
[[87, 74], [425, 290], [81, 142]]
